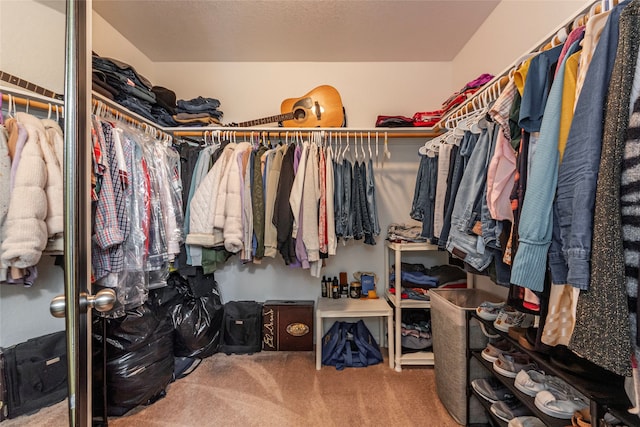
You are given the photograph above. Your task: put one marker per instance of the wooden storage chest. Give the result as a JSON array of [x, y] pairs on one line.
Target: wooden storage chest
[[287, 325]]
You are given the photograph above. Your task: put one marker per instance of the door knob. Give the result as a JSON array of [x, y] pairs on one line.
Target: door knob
[[102, 301]]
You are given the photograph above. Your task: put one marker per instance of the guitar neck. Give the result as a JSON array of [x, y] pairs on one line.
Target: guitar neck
[[28, 85], [267, 120]]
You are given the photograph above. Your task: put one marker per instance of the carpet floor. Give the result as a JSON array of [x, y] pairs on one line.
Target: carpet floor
[[281, 389]]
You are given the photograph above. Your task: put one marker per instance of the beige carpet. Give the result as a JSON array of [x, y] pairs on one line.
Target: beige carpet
[[282, 389]]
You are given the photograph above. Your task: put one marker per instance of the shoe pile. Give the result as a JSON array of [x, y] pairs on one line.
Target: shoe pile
[[553, 396], [504, 404]]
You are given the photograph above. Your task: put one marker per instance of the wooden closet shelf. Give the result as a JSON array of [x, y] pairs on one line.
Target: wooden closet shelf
[[343, 132]]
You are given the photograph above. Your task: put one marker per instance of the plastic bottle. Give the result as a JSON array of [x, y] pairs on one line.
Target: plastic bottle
[[335, 288], [324, 286]]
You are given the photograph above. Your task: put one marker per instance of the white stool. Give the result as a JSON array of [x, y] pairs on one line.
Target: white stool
[[350, 307]]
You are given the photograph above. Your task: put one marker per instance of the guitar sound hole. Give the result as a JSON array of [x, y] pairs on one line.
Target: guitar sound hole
[[299, 114]]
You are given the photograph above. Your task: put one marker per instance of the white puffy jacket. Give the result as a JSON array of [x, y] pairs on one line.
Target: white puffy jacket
[[5, 194], [232, 229], [202, 207], [26, 229], [53, 151]]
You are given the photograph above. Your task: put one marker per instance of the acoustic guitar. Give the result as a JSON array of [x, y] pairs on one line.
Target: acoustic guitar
[[321, 107]]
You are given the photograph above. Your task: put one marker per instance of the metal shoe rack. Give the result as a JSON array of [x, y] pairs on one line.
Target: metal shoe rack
[[605, 395]]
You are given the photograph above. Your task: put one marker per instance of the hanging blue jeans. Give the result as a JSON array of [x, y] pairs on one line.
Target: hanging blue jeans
[[465, 150], [462, 243], [371, 200]]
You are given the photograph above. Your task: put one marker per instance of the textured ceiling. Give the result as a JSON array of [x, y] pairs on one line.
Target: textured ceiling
[[296, 30]]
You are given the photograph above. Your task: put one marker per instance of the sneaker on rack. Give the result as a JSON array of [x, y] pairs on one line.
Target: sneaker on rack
[[493, 350], [489, 310], [530, 382], [559, 404], [491, 389], [509, 409], [509, 317], [526, 421], [509, 364]]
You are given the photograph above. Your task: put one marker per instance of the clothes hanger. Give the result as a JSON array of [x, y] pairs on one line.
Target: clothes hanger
[[347, 147], [355, 146], [431, 147], [386, 153], [362, 147], [369, 144], [12, 106], [377, 157]]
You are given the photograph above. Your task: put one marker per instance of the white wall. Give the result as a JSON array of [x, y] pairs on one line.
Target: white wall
[[513, 28], [108, 42], [31, 33]]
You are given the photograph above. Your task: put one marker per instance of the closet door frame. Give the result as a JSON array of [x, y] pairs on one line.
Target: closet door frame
[[77, 210]]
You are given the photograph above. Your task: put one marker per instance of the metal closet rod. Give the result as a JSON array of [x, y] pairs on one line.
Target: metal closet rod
[[27, 100], [282, 132]]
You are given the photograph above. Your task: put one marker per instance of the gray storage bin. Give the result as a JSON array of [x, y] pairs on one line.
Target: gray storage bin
[[448, 324]]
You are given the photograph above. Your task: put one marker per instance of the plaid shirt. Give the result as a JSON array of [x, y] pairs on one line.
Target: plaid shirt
[[119, 182], [107, 233]]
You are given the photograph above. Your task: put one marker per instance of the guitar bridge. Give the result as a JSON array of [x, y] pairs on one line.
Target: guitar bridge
[[318, 112]]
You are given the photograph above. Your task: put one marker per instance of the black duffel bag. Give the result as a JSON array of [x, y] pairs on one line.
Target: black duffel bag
[[36, 373]]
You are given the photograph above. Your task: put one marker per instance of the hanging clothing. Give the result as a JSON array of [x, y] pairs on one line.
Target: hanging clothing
[[36, 192], [534, 230], [332, 239], [5, 191], [258, 203], [282, 213], [462, 241], [273, 168], [602, 313], [630, 209], [578, 173], [372, 205]]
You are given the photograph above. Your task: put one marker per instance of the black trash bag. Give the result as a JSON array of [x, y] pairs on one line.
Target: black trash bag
[[197, 318], [138, 368], [132, 331]]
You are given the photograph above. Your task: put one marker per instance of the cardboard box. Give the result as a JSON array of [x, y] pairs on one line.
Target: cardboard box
[[287, 325]]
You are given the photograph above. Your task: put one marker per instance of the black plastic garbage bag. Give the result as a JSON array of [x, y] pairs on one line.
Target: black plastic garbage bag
[[140, 360], [197, 317], [132, 331]]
